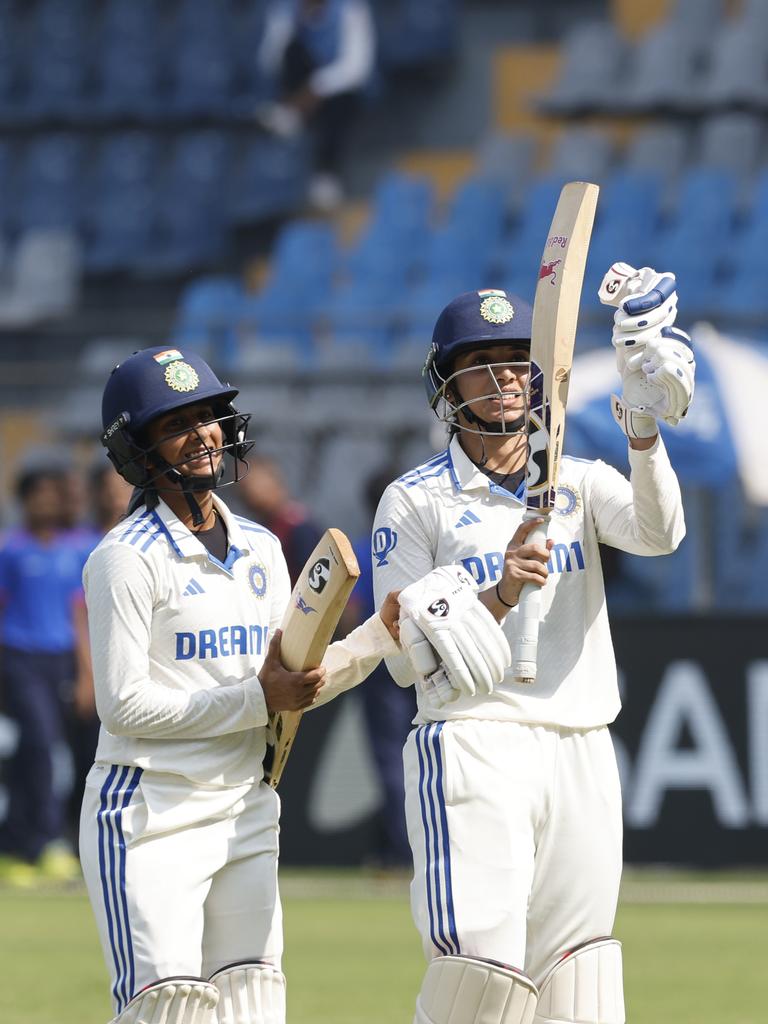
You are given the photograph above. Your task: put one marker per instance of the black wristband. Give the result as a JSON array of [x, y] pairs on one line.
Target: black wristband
[[498, 595]]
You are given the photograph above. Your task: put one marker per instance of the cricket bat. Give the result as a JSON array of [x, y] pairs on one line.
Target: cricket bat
[[313, 612], [553, 334]]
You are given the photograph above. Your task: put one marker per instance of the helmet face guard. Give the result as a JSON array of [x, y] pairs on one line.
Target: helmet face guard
[[143, 466], [447, 402]]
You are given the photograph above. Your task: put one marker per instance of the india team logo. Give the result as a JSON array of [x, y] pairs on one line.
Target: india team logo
[[496, 307], [384, 541], [181, 376], [567, 501], [257, 577]]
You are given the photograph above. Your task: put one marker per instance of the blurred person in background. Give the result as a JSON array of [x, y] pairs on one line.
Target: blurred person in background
[[264, 496], [389, 709], [322, 54], [40, 588]]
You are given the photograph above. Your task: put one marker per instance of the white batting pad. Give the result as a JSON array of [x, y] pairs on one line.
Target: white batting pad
[[585, 987], [172, 1001], [461, 990], [250, 993]]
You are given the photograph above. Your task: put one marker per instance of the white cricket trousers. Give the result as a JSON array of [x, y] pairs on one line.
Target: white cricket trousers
[[182, 878], [516, 833]]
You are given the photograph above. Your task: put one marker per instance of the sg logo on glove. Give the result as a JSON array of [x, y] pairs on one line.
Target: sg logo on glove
[[439, 608]]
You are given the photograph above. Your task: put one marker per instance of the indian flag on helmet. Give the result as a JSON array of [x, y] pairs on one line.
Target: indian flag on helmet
[[168, 356]]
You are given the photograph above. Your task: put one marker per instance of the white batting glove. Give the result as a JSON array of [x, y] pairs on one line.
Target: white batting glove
[[654, 359], [458, 634]]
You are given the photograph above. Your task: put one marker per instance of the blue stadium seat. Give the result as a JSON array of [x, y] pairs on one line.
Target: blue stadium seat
[[361, 312], [201, 72], [119, 229], [127, 60], [124, 159], [303, 264], [55, 64], [207, 317], [128, 81], [9, 160], [477, 211], [268, 179], [411, 34], [50, 182]]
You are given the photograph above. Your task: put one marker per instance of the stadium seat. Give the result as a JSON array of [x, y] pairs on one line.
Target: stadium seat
[[582, 154], [45, 276], [207, 315], [268, 179], [124, 159], [411, 34], [118, 231], [508, 160], [662, 70], [201, 73], [50, 182], [593, 56], [661, 147], [737, 74], [733, 141], [55, 64]]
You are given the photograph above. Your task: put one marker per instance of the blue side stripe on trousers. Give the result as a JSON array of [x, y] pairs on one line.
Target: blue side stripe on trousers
[[437, 848], [446, 843], [424, 820], [114, 799]]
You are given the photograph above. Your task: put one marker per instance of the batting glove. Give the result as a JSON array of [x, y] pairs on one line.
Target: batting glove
[[654, 358], [462, 637]]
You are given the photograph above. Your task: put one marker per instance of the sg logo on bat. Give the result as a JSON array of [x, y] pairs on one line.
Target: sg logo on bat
[[319, 575]]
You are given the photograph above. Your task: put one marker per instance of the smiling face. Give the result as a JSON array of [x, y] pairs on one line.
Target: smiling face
[[187, 439], [490, 382]]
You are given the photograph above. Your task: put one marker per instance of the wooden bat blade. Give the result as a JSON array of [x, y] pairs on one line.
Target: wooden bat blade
[[313, 612], [553, 334]]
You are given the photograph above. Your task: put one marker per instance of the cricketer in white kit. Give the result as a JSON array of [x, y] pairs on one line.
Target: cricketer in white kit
[[513, 800], [179, 834]]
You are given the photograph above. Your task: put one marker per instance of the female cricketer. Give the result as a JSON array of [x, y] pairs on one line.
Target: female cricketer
[[513, 801], [179, 834]]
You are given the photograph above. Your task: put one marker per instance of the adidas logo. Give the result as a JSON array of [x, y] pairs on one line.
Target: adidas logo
[[193, 587], [467, 519]]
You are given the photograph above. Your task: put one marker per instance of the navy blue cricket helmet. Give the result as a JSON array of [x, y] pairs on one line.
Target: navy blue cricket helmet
[[149, 384], [472, 320]]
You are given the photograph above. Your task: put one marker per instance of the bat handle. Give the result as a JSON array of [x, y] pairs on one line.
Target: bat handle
[[528, 618]]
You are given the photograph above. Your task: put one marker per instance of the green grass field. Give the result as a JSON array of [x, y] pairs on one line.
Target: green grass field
[[694, 949]]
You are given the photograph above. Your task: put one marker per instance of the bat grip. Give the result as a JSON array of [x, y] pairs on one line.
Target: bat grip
[[528, 618]]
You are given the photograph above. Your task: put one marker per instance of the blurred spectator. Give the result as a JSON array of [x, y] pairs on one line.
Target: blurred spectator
[[389, 709], [322, 54], [40, 586], [265, 498]]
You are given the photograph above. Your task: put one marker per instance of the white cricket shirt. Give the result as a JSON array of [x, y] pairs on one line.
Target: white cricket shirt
[[447, 512], [177, 640]]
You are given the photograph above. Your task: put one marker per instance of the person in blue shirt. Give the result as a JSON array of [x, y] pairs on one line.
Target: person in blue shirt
[[40, 588]]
